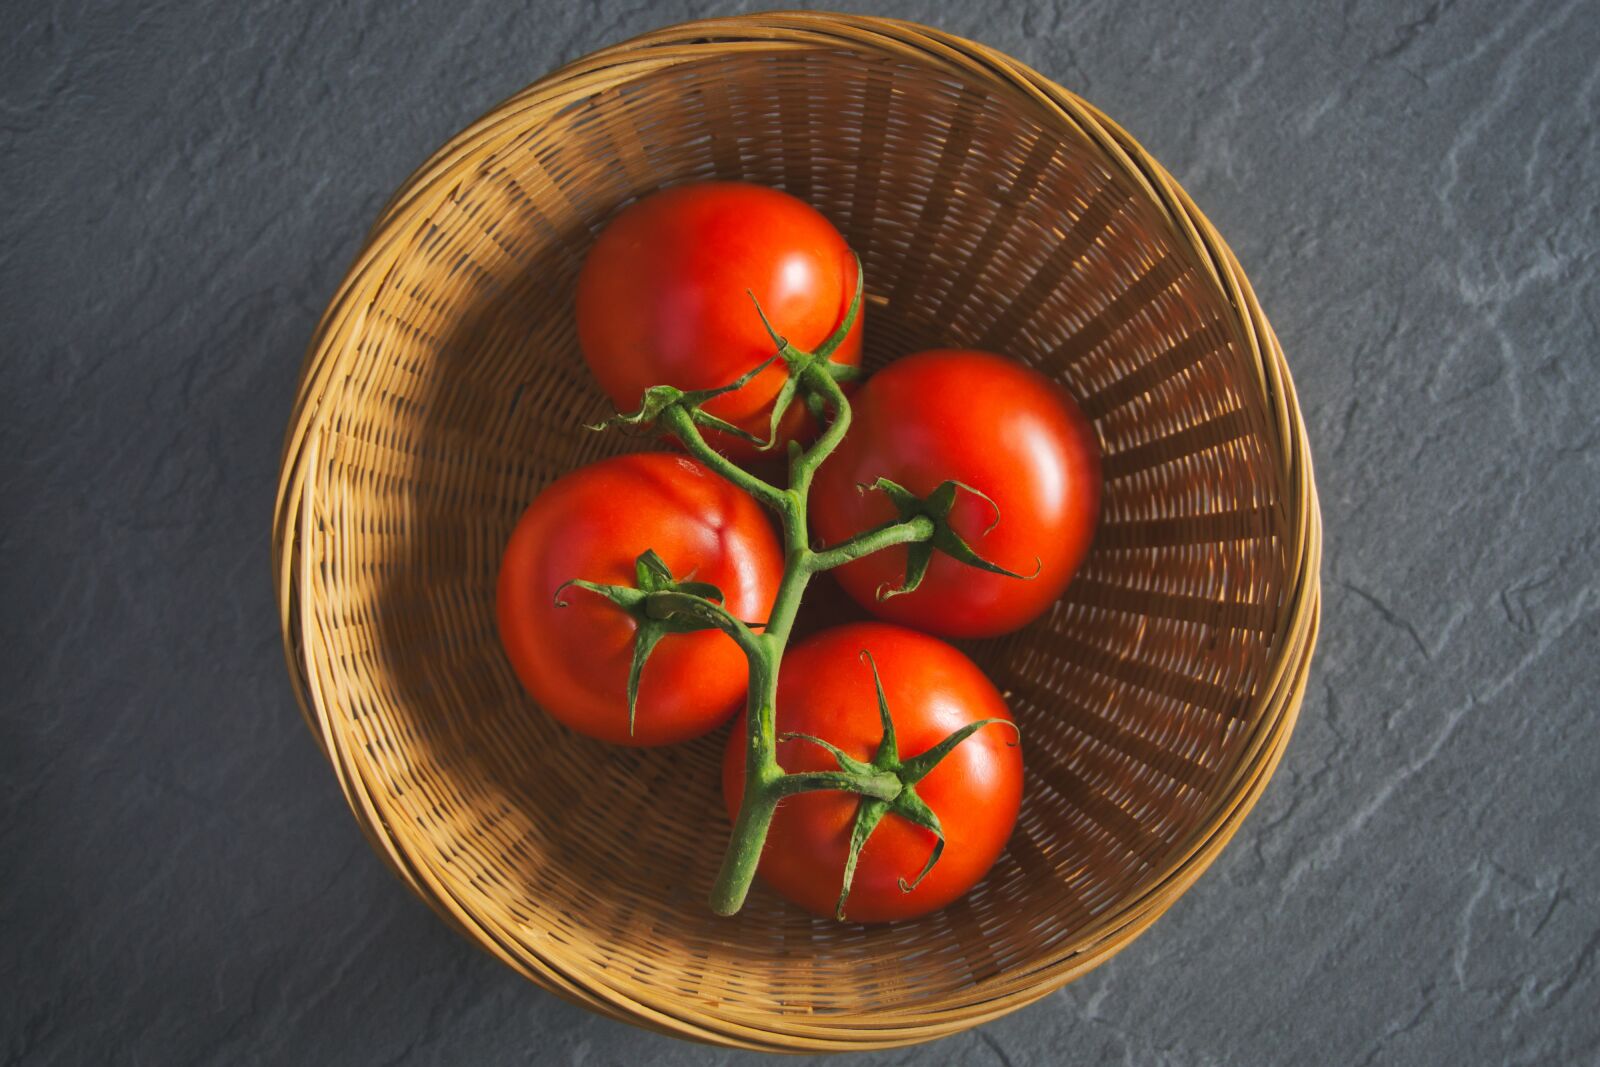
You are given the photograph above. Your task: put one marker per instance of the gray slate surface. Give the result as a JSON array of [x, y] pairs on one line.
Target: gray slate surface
[[1411, 186]]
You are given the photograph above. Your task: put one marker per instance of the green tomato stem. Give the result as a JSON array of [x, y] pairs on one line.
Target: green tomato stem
[[761, 795], [881, 785], [683, 427], [765, 783], [663, 604], [877, 786], [803, 466], [919, 528]]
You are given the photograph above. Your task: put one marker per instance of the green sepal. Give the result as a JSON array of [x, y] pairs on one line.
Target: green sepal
[[625, 597], [780, 407], [645, 639], [711, 422], [887, 758], [845, 761], [912, 808], [918, 555], [869, 814], [651, 571], [851, 313], [915, 770], [659, 398]]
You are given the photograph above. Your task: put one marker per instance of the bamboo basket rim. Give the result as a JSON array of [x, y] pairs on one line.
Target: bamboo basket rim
[[1298, 615]]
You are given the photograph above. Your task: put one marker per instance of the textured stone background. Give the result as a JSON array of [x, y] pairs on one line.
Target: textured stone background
[[1411, 186]]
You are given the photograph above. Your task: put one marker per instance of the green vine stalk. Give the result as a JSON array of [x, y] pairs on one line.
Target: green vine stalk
[[662, 604]]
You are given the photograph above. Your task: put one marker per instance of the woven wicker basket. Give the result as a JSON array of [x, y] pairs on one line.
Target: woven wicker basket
[[992, 208]]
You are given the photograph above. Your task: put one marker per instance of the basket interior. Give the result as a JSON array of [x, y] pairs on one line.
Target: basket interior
[[981, 221]]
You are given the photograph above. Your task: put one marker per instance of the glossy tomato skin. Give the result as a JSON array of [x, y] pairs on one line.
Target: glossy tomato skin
[[989, 423], [593, 524], [825, 689], [662, 298]]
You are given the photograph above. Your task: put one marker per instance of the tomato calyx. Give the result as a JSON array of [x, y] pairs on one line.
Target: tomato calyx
[[904, 801], [799, 361], [659, 604], [936, 508]]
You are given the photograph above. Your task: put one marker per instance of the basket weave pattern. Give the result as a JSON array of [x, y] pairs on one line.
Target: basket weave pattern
[[991, 208]]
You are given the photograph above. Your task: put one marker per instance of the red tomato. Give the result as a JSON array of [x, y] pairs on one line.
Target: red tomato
[[662, 298], [825, 689], [593, 524], [996, 426]]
